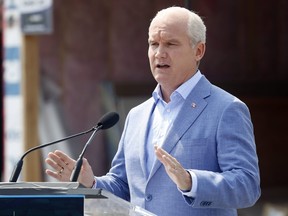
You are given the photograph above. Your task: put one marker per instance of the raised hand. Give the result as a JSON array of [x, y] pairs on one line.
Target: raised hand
[[63, 165], [174, 169]]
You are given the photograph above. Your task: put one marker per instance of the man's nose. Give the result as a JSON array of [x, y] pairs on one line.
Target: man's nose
[[161, 52]]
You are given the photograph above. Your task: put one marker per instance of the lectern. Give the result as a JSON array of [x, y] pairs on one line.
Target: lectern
[[62, 199]]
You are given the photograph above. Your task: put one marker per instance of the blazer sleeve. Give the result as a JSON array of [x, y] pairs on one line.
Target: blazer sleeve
[[115, 180], [237, 185]]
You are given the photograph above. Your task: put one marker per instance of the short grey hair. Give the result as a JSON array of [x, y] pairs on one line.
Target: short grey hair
[[196, 28]]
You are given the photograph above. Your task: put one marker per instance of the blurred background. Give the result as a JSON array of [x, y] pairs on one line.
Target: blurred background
[[93, 60]]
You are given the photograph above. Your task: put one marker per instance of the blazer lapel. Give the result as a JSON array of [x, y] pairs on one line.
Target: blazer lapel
[[145, 117], [192, 108]]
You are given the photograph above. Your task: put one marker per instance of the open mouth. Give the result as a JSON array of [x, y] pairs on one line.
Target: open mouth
[[162, 66]]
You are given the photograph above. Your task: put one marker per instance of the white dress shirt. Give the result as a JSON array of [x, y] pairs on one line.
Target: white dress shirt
[[162, 119]]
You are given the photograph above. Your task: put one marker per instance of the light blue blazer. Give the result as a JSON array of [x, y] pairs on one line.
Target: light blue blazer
[[212, 135]]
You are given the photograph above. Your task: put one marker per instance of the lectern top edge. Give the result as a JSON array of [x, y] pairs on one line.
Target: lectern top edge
[[52, 188]]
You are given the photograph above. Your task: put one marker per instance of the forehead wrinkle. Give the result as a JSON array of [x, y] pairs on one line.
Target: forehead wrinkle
[[165, 33], [170, 26], [161, 35]]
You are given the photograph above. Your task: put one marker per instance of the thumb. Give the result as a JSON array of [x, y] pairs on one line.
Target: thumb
[[86, 165]]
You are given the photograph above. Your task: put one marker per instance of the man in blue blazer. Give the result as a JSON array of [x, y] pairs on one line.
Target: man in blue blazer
[[189, 149]]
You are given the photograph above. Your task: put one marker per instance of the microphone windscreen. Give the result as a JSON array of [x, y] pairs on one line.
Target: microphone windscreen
[[108, 120]]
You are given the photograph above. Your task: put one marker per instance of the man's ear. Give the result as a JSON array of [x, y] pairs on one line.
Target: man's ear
[[200, 51]]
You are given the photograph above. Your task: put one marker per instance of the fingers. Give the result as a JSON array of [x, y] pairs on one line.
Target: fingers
[[86, 165], [59, 159], [64, 160], [61, 164], [50, 161], [174, 169], [55, 175], [169, 162]]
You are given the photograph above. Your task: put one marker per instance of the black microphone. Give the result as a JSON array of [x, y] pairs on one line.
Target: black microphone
[[18, 167], [106, 122]]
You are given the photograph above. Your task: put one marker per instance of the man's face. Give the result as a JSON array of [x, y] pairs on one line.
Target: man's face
[[173, 60]]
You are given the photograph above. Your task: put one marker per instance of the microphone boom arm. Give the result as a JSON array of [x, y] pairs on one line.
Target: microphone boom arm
[[107, 121], [17, 169]]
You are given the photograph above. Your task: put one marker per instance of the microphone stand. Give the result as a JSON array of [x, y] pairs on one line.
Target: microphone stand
[[17, 169], [106, 121], [76, 171]]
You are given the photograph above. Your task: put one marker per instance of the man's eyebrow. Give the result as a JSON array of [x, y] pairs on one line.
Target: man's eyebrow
[[150, 40], [173, 40]]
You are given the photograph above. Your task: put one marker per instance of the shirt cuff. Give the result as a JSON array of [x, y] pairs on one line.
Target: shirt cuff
[[193, 191], [94, 186]]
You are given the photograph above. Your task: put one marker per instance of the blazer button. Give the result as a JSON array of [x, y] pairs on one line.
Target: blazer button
[[205, 203], [148, 197]]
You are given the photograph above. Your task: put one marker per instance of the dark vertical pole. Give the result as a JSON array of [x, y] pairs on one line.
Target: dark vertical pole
[[188, 4]]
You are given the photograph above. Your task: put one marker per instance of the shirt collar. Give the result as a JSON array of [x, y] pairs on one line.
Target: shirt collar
[[182, 90]]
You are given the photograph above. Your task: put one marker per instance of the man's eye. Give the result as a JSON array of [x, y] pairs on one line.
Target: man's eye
[[171, 44], [153, 44]]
